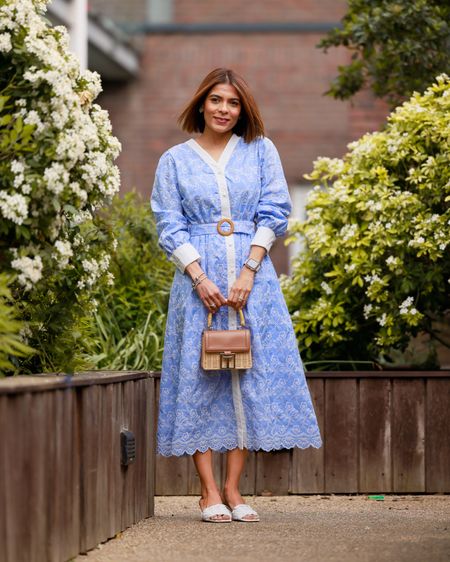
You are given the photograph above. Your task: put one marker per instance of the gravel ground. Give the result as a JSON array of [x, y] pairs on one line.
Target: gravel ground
[[293, 528]]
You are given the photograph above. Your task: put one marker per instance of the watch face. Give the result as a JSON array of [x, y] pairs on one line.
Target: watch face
[[253, 264]]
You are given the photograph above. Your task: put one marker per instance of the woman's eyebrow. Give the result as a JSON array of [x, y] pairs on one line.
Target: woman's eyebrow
[[219, 96]]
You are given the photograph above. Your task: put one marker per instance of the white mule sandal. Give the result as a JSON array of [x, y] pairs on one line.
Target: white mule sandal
[[213, 510], [243, 510]]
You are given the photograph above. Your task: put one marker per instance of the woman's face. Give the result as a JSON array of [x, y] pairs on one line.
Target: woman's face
[[222, 108]]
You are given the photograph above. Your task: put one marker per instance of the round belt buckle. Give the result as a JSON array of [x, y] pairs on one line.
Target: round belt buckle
[[225, 232]]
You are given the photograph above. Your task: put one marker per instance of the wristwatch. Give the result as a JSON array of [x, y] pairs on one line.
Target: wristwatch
[[253, 264]]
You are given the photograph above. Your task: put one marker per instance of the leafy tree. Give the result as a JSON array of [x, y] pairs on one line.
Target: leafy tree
[[398, 47], [375, 269]]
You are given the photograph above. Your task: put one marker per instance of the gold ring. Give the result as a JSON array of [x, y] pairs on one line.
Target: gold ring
[[225, 232]]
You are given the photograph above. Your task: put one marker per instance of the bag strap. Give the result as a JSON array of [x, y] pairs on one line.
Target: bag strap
[[241, 316]]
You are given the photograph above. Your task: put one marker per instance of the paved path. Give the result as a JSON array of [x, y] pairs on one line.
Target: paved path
[[292, 528]]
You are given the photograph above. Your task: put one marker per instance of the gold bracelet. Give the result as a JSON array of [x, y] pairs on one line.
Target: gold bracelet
[[197, 280]]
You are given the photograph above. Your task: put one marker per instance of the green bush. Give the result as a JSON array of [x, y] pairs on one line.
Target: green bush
[[374, 271], [11, 340], [127, 329]]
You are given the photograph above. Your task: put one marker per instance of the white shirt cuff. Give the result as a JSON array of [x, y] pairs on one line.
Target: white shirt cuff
[[184, 255], [264, 237]]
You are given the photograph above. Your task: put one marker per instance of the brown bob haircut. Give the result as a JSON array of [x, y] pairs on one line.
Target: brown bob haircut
[[250, 124]]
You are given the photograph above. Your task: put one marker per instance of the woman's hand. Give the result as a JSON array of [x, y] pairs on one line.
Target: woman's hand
[[210, 295], [241, 288]]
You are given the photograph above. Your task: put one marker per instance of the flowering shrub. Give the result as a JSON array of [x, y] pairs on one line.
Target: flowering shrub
[[56, 170], [375, 269]]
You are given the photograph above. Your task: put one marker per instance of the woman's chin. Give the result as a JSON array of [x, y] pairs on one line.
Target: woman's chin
[[220, 129]]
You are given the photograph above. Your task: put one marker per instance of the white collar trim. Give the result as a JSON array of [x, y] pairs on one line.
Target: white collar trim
[[224, 157]]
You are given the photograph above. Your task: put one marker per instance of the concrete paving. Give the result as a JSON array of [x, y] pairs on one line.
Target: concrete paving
[[316, 528]]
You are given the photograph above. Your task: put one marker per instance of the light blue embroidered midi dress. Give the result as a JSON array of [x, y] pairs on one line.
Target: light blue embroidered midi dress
[[268, 406]]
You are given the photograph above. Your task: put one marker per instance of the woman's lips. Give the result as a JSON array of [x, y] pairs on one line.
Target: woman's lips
[[221, 121]]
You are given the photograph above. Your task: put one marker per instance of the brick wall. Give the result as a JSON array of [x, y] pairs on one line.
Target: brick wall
[[286, 71], [196, 11], [213, 11], [287, 74]]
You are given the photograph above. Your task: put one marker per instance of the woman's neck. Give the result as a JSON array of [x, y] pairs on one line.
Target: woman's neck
[[213, 139]]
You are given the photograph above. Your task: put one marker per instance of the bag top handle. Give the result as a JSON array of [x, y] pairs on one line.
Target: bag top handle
[[241, 316]]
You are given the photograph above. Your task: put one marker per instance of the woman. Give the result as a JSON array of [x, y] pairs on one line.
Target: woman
[[229, 171]]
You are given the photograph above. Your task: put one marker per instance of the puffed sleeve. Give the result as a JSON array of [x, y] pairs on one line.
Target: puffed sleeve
[[275, 203], [171, 222]]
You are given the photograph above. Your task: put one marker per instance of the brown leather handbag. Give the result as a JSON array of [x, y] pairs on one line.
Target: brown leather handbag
[[226, 349]]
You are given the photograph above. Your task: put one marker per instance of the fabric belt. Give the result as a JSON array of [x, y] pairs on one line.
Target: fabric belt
[[242, 227]]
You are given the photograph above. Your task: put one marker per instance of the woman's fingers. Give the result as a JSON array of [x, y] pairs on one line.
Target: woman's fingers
[[211, 296]]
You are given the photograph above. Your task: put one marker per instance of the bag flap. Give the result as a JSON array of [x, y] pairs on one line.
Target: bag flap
[[236, 341]]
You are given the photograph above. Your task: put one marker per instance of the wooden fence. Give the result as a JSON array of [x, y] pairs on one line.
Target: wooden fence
[[382, 432], [62, 487]]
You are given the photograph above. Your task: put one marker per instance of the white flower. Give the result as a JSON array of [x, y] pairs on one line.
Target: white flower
[[348, 231], [350, 267], [367, 310], [30, 270], [406, 307], [33, 118], [90, 266], [13, 207], [56, 178], [5, 42], [382, 321], [63, 252], [17, 167], [328, 290]]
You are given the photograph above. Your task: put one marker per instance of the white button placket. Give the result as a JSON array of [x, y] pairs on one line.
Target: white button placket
[[219, 171]]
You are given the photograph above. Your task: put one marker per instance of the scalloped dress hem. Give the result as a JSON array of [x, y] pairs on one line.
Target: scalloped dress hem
[[165, 452]]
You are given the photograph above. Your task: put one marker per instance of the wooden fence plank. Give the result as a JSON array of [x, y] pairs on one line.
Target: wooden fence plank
[[140, 422], [171, 472], [90, 407], [308, 466], [171, 475], [341, 458], [408, 435], [5, 518], [41, 497], [61, 485], [118, 474], [110, 453], [150, 447], [375, 436], [129, 482], [272, 472], [248, 478], [438, 435], [16, 477]]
